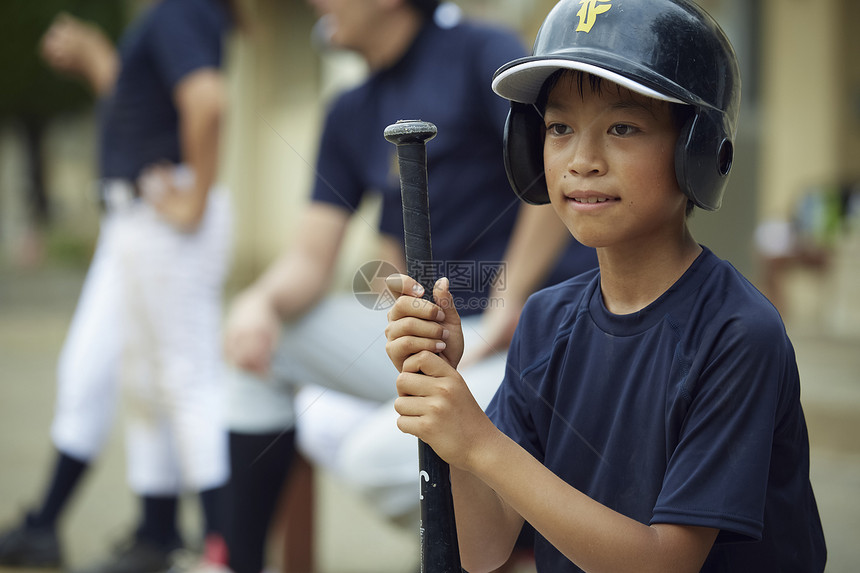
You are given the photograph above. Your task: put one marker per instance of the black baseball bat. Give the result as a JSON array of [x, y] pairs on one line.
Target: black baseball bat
[[440, 552]]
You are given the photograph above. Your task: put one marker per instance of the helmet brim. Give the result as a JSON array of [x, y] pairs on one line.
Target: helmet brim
[[522, 80]]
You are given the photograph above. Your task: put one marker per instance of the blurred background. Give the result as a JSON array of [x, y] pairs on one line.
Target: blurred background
[[790, 222]]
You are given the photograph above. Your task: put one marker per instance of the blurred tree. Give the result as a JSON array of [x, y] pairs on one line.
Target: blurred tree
[[31, 94]]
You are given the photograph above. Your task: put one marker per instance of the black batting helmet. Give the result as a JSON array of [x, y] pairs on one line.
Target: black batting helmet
[[665, 49]]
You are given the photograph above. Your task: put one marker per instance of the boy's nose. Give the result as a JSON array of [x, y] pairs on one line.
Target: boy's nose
[[587, 156]]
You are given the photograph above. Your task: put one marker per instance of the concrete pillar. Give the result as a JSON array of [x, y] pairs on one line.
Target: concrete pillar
[[800, 100], [848, 70], [270, 144]]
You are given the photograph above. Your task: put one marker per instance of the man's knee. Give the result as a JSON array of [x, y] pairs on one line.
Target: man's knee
[[381, 465], [255, 405]]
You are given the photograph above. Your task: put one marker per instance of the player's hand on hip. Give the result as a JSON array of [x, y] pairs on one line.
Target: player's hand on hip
[[251, 332], [170, 190], [415, 324]]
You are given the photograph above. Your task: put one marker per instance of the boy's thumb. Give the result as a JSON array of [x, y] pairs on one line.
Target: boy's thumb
[[442, 295]]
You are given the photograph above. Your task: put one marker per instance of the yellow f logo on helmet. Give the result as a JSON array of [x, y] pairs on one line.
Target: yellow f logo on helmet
[[588, 13]]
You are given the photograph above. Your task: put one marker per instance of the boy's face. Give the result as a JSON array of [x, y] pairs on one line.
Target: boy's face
[[609, 157]]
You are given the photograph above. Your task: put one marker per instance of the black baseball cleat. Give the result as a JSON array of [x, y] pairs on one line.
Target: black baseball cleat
[[136, 556], [28, 545]]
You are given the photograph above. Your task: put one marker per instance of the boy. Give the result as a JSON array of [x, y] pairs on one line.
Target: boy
[[649, 419]]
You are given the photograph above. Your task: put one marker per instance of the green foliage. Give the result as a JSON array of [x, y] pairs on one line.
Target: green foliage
[[28, 88]]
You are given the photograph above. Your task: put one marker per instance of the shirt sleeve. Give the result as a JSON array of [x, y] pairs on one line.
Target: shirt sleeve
[[509, 409], [717, 474], [337, 181], [183, 39]]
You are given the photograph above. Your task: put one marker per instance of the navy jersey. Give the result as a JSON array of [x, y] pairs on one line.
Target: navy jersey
[[444, 78], [686, 412], [138, 120]]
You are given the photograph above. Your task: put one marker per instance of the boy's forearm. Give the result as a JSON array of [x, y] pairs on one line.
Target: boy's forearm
[[591, 535], [486, 528]]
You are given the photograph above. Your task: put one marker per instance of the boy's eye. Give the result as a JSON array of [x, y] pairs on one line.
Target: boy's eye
[[622, 129], [557, 129]]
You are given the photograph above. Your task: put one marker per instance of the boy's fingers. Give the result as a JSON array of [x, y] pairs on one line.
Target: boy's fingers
[[427, 363], [408, 306], [404, 285], [417, 327], [409, 345], [407, 406], [410, 384]]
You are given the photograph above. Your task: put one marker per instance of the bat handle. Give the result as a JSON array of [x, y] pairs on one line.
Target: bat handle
[[438, 530], [410, 137]]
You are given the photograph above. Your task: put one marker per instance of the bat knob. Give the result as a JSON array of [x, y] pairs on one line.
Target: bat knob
[[410, 131]]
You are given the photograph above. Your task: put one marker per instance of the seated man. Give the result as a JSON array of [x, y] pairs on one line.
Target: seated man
[[279, 330]]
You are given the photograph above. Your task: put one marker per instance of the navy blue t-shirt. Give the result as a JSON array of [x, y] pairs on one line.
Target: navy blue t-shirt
[[444, 78], [138, 120], [686, 412]]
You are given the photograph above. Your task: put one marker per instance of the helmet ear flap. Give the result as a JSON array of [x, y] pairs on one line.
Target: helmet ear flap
[[703, 158], [523, 150]]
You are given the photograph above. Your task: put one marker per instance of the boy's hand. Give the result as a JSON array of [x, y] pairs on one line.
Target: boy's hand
[[415, 324], [435, 405]]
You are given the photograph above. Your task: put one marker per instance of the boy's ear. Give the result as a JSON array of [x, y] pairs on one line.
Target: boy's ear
[[523, 153], [703, 158]]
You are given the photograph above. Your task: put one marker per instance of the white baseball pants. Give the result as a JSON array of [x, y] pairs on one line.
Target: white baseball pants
[[148, 320], [335, 358]]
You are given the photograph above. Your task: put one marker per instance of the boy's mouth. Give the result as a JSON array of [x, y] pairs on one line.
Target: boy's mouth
[[590, 198]]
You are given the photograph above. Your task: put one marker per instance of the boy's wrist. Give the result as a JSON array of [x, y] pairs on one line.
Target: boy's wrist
[[487, 454]]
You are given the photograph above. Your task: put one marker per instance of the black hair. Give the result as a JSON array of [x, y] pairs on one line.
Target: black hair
[[681, 113]]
